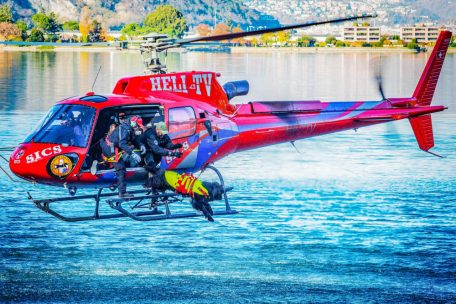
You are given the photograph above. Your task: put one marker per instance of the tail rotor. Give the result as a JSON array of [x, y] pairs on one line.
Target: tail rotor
[[378, 75]]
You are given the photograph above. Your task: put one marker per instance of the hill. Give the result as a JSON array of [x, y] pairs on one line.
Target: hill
[[390, 12], [118, 12]]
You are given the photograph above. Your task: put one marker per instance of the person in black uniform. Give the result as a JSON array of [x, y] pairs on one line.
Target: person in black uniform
[[158, 144], [115, 148]]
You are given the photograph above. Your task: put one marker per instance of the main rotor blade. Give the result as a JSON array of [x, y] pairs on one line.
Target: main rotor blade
[[270, 30]]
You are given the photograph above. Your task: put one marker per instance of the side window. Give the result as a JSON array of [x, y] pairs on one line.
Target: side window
[[182, 122]]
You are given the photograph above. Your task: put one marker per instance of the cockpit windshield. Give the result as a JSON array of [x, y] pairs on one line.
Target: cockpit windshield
[[66, 125]]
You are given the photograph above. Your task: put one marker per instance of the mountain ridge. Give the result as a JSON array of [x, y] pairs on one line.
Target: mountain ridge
[[115, 13]]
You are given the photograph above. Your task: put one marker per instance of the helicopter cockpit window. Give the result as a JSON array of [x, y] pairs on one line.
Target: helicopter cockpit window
[[65, 124], [182, 122]]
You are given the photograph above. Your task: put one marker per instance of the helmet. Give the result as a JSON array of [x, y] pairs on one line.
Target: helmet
[[67, 118], [136, 121], [121, 115], [162, 127]]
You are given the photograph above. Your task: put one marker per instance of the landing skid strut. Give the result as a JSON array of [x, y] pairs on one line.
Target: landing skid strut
[[147, 200]]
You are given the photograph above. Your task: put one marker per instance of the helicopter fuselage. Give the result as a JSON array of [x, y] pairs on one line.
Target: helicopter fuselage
[[212, 133]]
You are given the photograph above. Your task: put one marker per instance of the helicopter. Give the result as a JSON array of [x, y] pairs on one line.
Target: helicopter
[[200, 116]]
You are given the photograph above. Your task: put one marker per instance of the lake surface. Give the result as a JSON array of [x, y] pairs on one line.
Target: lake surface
[[350, 217]]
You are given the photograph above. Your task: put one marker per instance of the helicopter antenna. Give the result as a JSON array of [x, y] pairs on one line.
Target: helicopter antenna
[[95, 80]]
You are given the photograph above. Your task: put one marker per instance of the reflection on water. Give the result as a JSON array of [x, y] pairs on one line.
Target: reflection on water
[[36, 80], [361, 217]]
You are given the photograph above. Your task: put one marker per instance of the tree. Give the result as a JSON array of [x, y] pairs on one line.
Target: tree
[[9, 31], [84, 23], [283, 37], [203, 30], [22, 26], [40, 21], [47, 23], [166, 19], [331, 40], [96, 33], [306, 41], [267, 39], [71, 26], [54, 25], [36, 35], [5, 13], [131, 29], [452, 43], [221, 29]]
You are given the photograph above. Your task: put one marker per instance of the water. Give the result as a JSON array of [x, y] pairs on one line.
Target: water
[[353, 217]]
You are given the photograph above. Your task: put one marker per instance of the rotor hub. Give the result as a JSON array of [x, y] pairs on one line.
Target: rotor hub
[[150, 49]]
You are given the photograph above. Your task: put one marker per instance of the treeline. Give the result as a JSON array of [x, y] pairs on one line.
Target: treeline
[[46, 27], [286, 39]]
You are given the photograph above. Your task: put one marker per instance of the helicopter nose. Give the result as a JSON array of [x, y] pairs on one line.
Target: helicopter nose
[[18, 164], [43, 163]]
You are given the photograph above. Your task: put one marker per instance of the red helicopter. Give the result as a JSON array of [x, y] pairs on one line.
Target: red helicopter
[[61, 151]]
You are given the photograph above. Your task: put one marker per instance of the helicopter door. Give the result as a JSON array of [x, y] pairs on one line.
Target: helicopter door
[[182, 128]]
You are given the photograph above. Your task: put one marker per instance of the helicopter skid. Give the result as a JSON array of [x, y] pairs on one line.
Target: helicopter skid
[[146, 199], [117, 205]]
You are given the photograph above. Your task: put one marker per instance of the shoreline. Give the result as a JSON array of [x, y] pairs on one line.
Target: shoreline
[[325, 50], [235, 49]]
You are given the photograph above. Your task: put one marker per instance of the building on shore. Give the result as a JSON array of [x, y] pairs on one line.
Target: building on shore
[[361, 33], [421, 33]]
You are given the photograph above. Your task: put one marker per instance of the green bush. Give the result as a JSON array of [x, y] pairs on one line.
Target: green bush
[[413, 45], [45, 47], [340, 44], [36, 35]]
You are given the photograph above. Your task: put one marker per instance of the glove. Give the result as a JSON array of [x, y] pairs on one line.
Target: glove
[[143, 149], [136, 157], [176, 154], [177, 146]]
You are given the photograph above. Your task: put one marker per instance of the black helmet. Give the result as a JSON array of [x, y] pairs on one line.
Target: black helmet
[[121, 115]]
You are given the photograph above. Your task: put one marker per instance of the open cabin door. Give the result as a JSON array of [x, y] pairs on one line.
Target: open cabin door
[[108, 117]]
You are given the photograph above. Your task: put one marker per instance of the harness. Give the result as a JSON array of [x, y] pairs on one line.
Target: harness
[[114, 150], [116, 154]]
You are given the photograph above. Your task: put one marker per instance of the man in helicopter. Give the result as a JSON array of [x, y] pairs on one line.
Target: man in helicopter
[[154, 136], [116, 150], [158, 144]]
